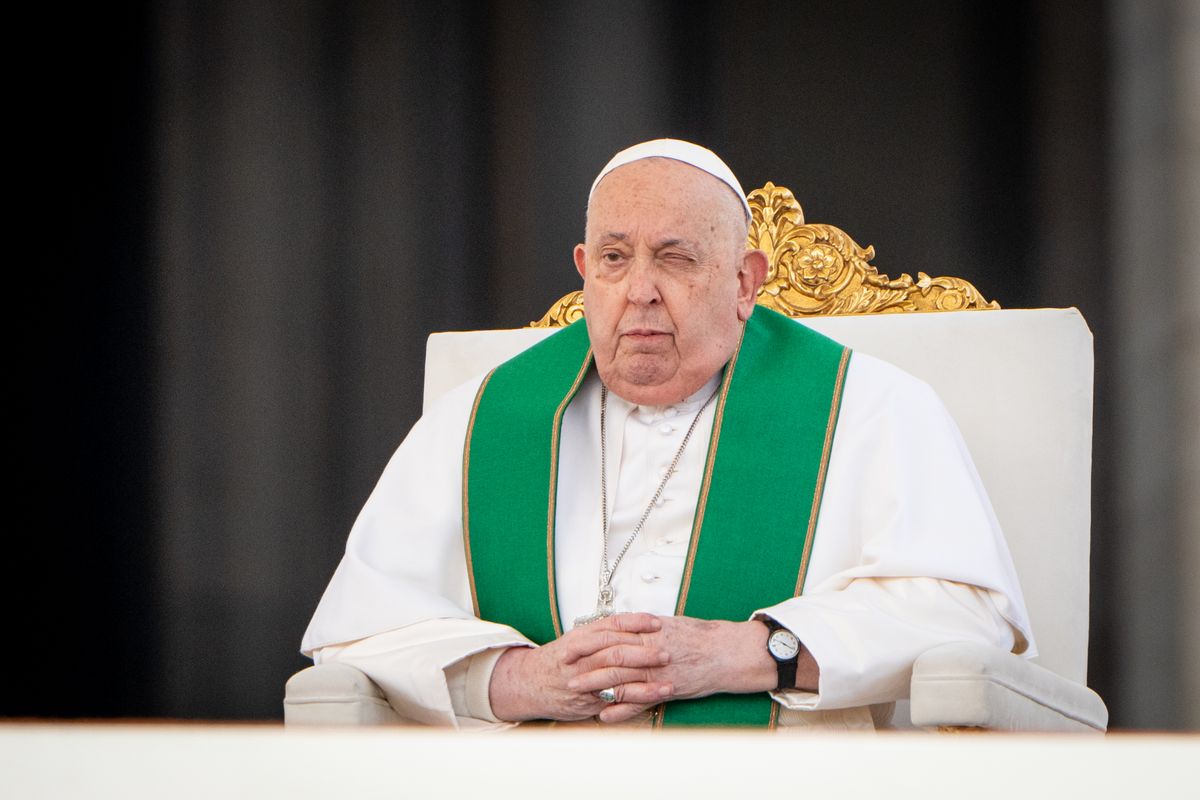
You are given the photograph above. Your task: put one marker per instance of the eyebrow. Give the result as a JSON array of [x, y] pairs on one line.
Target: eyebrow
[[615, 236], [674, 243], [608, 237]]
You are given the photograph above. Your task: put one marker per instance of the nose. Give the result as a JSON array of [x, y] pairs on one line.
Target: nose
[[642, 288]]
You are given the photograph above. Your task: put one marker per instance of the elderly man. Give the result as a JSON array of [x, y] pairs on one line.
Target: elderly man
[[688, 511]]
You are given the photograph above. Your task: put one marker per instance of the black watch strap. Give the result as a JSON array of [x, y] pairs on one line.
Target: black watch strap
[[786, 668], [787, 673]]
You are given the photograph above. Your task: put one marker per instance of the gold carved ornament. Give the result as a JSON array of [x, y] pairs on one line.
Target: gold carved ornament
[[818, 270]]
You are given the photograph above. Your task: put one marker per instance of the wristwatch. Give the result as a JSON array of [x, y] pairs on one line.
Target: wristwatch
[[784, 647]]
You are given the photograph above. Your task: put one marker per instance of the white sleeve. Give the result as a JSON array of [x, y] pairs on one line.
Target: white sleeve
[[908, 553], [404, 560], [435, 672], [399, 605], [866, 636]]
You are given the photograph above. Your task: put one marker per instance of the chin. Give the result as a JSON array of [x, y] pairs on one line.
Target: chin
[[647, 374], [646, 392]]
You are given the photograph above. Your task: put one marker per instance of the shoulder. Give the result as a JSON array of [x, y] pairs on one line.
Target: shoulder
[[866, 375], [881, 399], [442, 424], [458, 401], [873, 378]]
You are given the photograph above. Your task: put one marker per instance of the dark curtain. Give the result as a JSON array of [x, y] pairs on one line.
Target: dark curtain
[[253, 213]]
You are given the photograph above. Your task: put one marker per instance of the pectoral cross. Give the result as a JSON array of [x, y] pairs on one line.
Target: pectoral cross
[[604, 606]]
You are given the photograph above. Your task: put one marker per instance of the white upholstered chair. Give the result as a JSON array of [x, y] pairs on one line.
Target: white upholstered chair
[[1019, 385]]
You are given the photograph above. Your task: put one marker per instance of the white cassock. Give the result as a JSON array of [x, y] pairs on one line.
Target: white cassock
[[907, 553]]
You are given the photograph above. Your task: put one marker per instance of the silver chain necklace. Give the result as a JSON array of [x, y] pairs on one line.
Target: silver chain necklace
[[604, 600]]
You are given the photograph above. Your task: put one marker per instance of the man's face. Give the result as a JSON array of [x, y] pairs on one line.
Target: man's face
[[667, 280]]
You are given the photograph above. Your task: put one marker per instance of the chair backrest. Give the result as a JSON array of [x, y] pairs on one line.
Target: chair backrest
[[1018, 383]]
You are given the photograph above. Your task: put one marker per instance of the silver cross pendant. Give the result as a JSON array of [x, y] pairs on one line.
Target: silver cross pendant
[[604, 608]]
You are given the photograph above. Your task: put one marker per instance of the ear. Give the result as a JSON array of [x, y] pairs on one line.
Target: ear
[[751, 275], [581, 261]]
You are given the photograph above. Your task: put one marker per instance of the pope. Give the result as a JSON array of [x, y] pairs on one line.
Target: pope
[[616, 525]]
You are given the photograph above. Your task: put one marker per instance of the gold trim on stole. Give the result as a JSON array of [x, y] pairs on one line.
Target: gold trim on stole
[[702, 500], [553, 495], [466, 508], [819, 490]]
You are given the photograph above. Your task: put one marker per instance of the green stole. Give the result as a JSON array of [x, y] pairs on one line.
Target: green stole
[[755, 516]]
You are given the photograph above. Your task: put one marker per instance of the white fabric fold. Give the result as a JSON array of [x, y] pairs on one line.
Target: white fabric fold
[[435, 672]]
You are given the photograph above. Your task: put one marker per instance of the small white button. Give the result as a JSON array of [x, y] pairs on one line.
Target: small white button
[[649, 578], [666, 428], [664, 541], [671, 411]]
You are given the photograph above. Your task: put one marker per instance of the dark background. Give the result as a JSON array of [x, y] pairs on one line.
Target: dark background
[[244, 218]]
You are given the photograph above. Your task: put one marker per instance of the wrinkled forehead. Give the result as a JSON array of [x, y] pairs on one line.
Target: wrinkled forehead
[[664, 199], [660, 200]]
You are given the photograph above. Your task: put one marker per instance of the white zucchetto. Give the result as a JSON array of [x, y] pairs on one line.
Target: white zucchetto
[[699, 157]]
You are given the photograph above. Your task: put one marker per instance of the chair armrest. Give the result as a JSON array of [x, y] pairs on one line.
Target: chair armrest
[[967, 685], [336, 694]]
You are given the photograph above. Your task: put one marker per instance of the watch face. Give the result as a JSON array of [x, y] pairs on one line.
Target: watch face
[[783, 645]]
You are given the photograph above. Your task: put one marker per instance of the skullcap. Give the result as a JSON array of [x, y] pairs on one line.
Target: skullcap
[[699, 157]]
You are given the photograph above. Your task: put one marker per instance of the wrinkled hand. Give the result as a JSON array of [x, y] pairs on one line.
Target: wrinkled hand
[[703, 657], [559, 679], [710, 656]]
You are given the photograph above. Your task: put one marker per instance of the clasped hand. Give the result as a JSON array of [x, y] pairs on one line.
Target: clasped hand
[[644, 658]]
